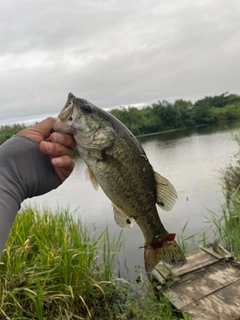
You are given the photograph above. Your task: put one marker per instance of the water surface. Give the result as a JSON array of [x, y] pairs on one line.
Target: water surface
[[191, 159]]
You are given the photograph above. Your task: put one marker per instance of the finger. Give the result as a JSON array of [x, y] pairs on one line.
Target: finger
[[64, 139], [63, 166], [63, 162], [55, 149]]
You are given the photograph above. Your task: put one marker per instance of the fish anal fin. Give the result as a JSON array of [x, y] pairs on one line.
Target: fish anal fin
[[90, 176], [121, 219], [166, 193], [165, 250]]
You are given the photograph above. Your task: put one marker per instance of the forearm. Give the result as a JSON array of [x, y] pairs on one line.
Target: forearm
[[24, 173]]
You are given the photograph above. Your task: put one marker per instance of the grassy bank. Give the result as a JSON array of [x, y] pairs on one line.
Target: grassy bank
[[52, 269], [226, 226]]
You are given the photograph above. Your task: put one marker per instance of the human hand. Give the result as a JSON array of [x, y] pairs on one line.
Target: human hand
[[58, 146]]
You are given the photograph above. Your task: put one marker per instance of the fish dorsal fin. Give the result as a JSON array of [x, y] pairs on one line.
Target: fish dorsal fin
[[90, 176], [166, 193], [121, 219]]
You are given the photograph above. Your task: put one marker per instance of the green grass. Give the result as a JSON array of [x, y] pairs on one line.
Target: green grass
[[221, 227], [7, 131], [226, 226], [49, 268], [52, 269]]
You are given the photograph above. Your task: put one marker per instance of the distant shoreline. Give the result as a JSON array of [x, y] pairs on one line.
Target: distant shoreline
[[172, 130], [184, 128]]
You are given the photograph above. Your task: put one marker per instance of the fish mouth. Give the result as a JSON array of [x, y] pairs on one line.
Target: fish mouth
[[62, 126], [66, 112]]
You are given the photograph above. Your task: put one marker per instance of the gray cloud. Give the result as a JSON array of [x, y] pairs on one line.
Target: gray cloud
[[115, 52]]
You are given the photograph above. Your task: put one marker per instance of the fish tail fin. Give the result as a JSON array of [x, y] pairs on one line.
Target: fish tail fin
[[165, 250]]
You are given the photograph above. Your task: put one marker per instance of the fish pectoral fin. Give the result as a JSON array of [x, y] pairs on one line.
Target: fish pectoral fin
[[121, 219], [166, 193], [90, 176]]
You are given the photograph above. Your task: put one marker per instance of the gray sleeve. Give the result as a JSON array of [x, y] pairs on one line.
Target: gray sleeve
[[24, 173]]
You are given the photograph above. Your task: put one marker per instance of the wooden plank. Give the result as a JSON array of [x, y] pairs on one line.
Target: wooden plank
[[194, 286], [195, 261], [226, 254], [211, 252], [164, 270], [158, 276], [224, 304]]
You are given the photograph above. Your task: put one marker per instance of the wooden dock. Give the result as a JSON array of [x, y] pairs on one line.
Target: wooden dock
[[206, 288]]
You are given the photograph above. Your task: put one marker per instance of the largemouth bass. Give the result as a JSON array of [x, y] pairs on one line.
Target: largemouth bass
[[117, 162]]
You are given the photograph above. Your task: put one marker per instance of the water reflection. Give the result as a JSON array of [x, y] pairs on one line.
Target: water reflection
[[201, 130]]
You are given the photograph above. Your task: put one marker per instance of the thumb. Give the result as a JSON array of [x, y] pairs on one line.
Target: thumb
[[40, 131], [44, 127]]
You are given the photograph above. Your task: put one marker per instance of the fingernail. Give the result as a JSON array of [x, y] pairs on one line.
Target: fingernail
[[57, 161], [48, 146], [58, 137]]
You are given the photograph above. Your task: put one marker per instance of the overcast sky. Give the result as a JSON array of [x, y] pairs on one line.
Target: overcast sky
[[112, 53]]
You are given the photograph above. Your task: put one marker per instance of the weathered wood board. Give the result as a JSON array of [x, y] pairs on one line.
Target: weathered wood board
[[223, 304], [206, 288]]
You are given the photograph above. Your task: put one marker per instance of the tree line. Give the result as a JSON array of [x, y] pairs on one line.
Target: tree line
[[7, 131], [165, 115]]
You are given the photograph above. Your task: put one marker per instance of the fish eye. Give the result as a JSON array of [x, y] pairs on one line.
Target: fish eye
[[70, 118], [86, 108]]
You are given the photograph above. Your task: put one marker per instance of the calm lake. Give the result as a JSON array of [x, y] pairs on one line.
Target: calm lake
[[191, 159]]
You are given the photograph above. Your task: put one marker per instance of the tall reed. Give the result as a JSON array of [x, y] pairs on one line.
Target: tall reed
[[52, 269], [49, 268], [226, 225]]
